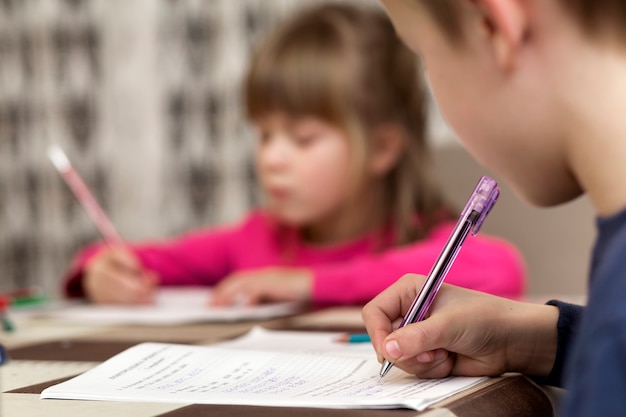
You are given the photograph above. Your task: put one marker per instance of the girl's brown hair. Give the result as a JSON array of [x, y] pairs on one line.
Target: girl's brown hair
[[345, 64]]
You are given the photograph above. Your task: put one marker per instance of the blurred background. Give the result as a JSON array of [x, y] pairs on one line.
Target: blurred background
[[144, 97]]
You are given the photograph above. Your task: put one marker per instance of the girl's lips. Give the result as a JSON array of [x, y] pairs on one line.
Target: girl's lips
[[278, 193]]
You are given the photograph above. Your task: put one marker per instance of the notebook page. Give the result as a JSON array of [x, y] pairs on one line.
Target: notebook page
[[158, 372]]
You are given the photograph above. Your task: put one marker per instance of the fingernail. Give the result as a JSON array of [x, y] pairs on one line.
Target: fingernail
[[424, 357], [240, 300], [393, 350], [440, 354]]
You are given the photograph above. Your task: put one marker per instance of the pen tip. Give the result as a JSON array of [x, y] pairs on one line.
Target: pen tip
[[385, 368]]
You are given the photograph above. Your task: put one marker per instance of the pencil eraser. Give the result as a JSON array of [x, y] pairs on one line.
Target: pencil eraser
[[58, 158]]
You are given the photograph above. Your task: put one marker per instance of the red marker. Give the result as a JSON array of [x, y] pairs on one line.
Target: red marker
[[7, 324]]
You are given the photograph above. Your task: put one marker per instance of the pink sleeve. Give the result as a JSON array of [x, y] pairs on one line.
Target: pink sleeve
[[198, 258], [485, 263]]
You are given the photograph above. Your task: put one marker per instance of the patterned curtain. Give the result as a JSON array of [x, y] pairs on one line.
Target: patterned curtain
[[144, 97]]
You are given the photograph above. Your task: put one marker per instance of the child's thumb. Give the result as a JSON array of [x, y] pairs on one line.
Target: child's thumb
[[413, 340]]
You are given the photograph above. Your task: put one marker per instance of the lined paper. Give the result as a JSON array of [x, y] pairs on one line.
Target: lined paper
[[158, 372]]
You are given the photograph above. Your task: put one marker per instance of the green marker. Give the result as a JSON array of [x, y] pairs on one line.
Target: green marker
[[29, 300]]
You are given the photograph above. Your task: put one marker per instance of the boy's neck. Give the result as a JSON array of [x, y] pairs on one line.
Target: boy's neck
[[593, 92]]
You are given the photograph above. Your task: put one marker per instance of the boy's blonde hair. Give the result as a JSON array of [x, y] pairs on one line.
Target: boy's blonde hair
[[345, 65]]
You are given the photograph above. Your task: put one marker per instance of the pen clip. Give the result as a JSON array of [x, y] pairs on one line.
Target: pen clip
[[480, 203]]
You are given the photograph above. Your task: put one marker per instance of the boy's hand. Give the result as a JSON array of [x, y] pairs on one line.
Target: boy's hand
[[467, 333], [116, 276], [266, 284]]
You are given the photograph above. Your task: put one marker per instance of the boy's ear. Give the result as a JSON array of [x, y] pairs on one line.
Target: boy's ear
[[506, 24], [388, 144]]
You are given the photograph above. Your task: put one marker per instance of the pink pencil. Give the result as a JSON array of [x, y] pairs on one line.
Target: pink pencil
[[84, 196]]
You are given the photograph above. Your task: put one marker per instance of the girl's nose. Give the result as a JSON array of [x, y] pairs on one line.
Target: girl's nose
[[274, 152]]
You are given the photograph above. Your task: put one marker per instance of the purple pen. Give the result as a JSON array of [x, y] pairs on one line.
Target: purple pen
[[472, 217]]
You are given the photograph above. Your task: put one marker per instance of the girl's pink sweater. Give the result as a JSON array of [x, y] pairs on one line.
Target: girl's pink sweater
[[348, 273]]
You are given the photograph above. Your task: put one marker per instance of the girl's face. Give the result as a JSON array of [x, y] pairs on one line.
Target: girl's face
[[304, 168]]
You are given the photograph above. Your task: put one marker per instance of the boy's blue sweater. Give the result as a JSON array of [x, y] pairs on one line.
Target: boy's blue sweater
[[591, 357]]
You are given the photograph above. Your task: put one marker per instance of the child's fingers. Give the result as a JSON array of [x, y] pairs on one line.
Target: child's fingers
[[147, 291], [132, 289], [382, 314], [245, 299], [151, 278], [116, 275], [432, 364], [124, 259], [230, 291], [239, 291]]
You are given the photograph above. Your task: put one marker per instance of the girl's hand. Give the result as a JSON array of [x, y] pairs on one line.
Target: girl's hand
[[467, 333], [116, 276], [266, 284]]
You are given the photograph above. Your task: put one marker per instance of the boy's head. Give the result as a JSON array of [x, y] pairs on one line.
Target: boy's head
[[596, 18], [344, 65], [506, 75]]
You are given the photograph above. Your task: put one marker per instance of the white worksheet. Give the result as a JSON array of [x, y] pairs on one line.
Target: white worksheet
[[173, 305], [236, 375]]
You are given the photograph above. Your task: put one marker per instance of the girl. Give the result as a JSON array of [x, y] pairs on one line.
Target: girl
[[343, 162]]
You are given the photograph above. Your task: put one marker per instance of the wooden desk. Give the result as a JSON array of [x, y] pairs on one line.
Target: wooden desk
[[45, 352]]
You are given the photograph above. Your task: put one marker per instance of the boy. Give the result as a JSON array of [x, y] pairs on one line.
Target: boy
[[535, 89]]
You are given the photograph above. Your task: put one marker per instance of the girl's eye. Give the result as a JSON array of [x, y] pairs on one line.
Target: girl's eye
[[307, 131], [263, 137], [304, 140]]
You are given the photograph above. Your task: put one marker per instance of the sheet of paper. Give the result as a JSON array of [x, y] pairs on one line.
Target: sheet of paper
[[313, 342], [174, 305], [157, 372]]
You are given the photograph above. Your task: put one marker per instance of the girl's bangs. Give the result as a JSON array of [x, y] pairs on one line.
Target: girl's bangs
[[303, 81]]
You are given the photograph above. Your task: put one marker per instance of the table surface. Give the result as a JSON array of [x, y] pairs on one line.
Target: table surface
[[44, 352]]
